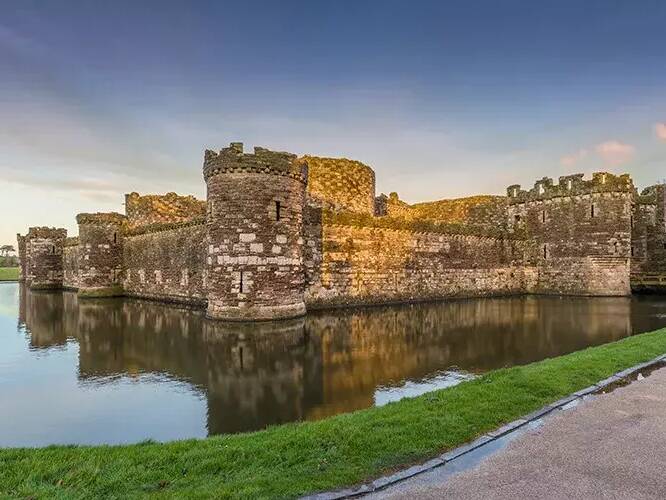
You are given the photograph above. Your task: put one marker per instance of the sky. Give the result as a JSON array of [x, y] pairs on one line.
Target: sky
[[443, 99]]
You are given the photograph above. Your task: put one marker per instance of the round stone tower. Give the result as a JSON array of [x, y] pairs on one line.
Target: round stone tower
[[254, 222], [43, 250], [100, 254]]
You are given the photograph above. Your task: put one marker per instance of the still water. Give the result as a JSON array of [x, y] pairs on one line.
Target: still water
[[122, 371]]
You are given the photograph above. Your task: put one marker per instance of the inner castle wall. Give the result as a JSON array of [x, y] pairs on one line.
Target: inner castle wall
[[279, 234]]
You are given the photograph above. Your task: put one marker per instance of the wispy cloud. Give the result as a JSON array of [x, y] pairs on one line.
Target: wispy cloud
[[615, 152], [660, 130], [573, 159]]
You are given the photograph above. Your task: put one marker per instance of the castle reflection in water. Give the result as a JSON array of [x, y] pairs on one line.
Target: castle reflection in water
[[329, 362]]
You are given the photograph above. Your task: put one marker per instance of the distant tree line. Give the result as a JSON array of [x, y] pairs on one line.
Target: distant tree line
[[8, 257]]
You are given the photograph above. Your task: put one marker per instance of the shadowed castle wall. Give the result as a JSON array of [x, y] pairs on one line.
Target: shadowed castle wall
[[579, 233], [166, 264], [648, 265], [70, 256]]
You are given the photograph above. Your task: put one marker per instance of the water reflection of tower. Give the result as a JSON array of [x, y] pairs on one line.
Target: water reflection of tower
[[260, 374], [43, 316], [23, 294], [252, 375]]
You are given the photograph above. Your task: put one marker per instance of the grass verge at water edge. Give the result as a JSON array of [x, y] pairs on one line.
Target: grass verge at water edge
[[9, 273], [295, 459]]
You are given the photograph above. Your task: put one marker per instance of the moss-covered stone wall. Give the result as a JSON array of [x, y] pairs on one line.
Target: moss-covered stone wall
[[340, 184], [145, 210]]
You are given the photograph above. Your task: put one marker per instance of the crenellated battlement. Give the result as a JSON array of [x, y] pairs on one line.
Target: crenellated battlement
[[233, 160], [46, 232], [571, 185]]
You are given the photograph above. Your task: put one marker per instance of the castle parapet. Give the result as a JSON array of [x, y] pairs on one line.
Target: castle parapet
[[232, 160], [571, 185], [43, 260], [100, 253]]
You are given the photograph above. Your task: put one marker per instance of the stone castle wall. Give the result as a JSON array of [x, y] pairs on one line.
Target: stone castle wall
[[482, 211], [279, 234], [648, 263], [368, 265], [166, 264], [340, 184], [70, 256], [160, 209], [579, 233]]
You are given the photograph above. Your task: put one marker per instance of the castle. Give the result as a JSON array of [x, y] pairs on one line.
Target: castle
[[279, 234]]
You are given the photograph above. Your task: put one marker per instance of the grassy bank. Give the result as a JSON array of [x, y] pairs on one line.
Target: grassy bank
[[294, 459], [9, 273]]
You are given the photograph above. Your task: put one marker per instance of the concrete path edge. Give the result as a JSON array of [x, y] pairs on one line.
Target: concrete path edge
[[396, 477]]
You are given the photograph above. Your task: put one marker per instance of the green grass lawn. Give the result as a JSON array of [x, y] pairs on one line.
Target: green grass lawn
[[293, 459], [9, 273]]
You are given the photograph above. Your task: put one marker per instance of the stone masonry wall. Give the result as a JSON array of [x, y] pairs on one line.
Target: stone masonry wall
[[484, 211], [579, 233], [70, 256], [159, 209], [22, 256], [166, 264], [340, 184], [648, 264], [361, 265], [254, 227], [100, 254], [44, 262]]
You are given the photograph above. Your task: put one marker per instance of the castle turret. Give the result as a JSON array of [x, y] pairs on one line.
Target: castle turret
[[100, 254], [21, 256], [254, 258], [43, 261]]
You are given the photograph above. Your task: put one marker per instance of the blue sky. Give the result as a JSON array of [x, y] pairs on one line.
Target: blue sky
[[443, 99]]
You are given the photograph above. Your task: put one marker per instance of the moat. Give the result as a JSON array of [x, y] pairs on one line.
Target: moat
[[123, 370]]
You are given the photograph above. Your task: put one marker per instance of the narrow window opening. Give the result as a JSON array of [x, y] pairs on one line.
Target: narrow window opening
[[631, 220], [278, 210], [241, 286], [115, 237], [569, 184], [543, 216], [592, 210], [545, 251], [632, 251], [240, 355], [615, 247], [53, 249]]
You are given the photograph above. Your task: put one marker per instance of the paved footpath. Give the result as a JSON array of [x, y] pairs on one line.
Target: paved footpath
[[611, 447]]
